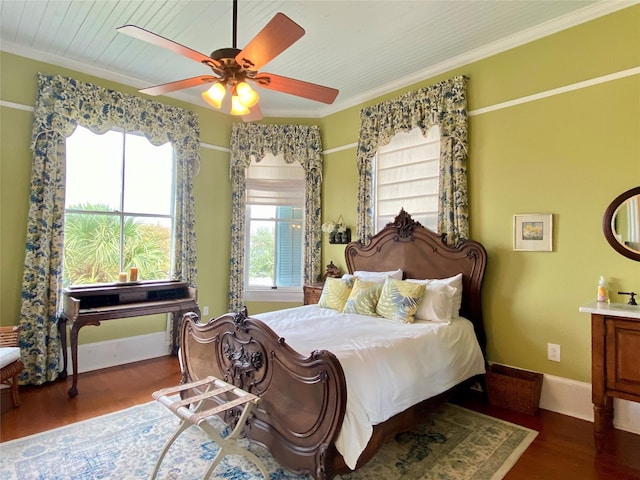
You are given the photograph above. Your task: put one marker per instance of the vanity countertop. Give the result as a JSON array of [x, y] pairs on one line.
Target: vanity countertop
[[612, 309]]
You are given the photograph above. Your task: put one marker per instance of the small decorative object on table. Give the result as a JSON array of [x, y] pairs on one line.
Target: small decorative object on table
[[338, 232], [133, 274], [332, 271]]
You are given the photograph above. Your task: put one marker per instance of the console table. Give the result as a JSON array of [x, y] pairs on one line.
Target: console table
[[615, 361], [91, 304]]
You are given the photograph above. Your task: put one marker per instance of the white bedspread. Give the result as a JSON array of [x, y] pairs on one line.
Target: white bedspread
[[389, 366]]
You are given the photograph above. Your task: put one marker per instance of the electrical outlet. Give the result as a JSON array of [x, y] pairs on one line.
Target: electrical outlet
[[205, 310], [553, 352]]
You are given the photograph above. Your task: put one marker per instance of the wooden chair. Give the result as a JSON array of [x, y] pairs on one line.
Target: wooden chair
[[10, 362]]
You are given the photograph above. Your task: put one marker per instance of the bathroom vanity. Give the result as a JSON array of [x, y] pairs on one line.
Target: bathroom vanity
[[615, 361]]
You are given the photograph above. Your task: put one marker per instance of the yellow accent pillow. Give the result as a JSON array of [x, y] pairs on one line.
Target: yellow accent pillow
[[363, 298], [335, 293], [399, 300]]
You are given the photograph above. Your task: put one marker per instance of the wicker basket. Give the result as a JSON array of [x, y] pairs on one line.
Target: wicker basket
[[517, 390]]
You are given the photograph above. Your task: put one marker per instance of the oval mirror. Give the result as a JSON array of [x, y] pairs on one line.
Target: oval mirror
[[621, 224]]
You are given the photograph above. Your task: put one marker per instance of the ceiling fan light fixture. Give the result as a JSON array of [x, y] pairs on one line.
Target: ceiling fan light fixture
[[215, 94], [237, 108], [232, 68], [247, 96]]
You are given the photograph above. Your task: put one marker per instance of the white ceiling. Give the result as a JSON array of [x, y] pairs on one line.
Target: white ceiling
[[363, 48]]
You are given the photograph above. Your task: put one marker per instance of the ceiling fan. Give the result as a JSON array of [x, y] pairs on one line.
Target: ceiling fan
[[234, 69]]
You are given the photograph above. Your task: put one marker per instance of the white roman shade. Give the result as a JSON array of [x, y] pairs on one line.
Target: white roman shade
[[274, 182], [407, 176]]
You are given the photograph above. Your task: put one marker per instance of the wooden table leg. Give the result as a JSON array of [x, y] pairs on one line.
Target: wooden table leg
[[175, 334], [602, 421], [73, 391], [62, 328], [177, 327]]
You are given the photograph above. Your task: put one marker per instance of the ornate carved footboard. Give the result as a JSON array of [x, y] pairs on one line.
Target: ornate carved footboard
[[303, 399]]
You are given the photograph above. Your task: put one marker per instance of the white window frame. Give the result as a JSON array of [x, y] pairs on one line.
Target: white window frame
[[121, 214], [253, 293]]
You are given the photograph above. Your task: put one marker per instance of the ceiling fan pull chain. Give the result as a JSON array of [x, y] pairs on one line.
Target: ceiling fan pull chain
[[235, 23]]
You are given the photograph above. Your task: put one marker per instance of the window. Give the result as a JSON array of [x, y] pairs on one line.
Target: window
[[118, 207], [275, 220], [407, 176]]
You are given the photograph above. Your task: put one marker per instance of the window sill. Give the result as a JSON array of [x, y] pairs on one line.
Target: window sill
[[273, 296]]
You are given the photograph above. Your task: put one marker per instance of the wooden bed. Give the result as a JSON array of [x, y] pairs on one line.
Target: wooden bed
[[303, 398]]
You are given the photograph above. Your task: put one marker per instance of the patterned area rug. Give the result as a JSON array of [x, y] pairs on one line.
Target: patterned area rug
[[454, 443]]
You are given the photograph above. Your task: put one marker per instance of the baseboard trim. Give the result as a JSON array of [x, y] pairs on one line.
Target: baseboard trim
[[573, 398], [110, 353]]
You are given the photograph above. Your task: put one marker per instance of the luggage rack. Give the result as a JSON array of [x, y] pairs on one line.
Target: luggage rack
[[198, 416]]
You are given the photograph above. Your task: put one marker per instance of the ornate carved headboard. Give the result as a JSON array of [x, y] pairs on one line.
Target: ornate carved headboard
[[421, 253]]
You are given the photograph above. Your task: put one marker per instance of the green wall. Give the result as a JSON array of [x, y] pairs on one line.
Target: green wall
[[568, 154]]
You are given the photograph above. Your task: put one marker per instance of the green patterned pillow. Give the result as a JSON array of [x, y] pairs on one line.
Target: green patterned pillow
[[335, 293], [363, 298], [399, 300]]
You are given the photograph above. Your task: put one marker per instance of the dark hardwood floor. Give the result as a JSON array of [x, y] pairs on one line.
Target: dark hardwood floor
[[563, 448]]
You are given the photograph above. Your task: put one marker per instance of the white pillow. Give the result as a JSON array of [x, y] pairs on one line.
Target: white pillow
[[436, 304], [378, 276], [455, 282]]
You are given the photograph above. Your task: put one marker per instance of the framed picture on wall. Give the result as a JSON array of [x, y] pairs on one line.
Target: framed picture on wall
[[533, 232]]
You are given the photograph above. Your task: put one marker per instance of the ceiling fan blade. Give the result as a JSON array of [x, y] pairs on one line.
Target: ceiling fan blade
[[254, 114], [299, 88], [179, 85], [159, 41], [278, 35]]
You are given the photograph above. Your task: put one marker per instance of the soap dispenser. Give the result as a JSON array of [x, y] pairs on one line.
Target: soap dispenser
[[603, 295]]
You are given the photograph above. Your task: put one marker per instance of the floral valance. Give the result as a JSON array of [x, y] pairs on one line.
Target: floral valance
[[299, 143], [63, 103]]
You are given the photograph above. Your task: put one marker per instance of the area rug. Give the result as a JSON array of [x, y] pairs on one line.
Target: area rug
[[453, 443]]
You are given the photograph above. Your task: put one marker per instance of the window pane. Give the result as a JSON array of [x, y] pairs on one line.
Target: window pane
[[148, 176], [91, 248], [290, 213], [262, 253], [94, 170], [97, 245], [262, 211], [147, 245]]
